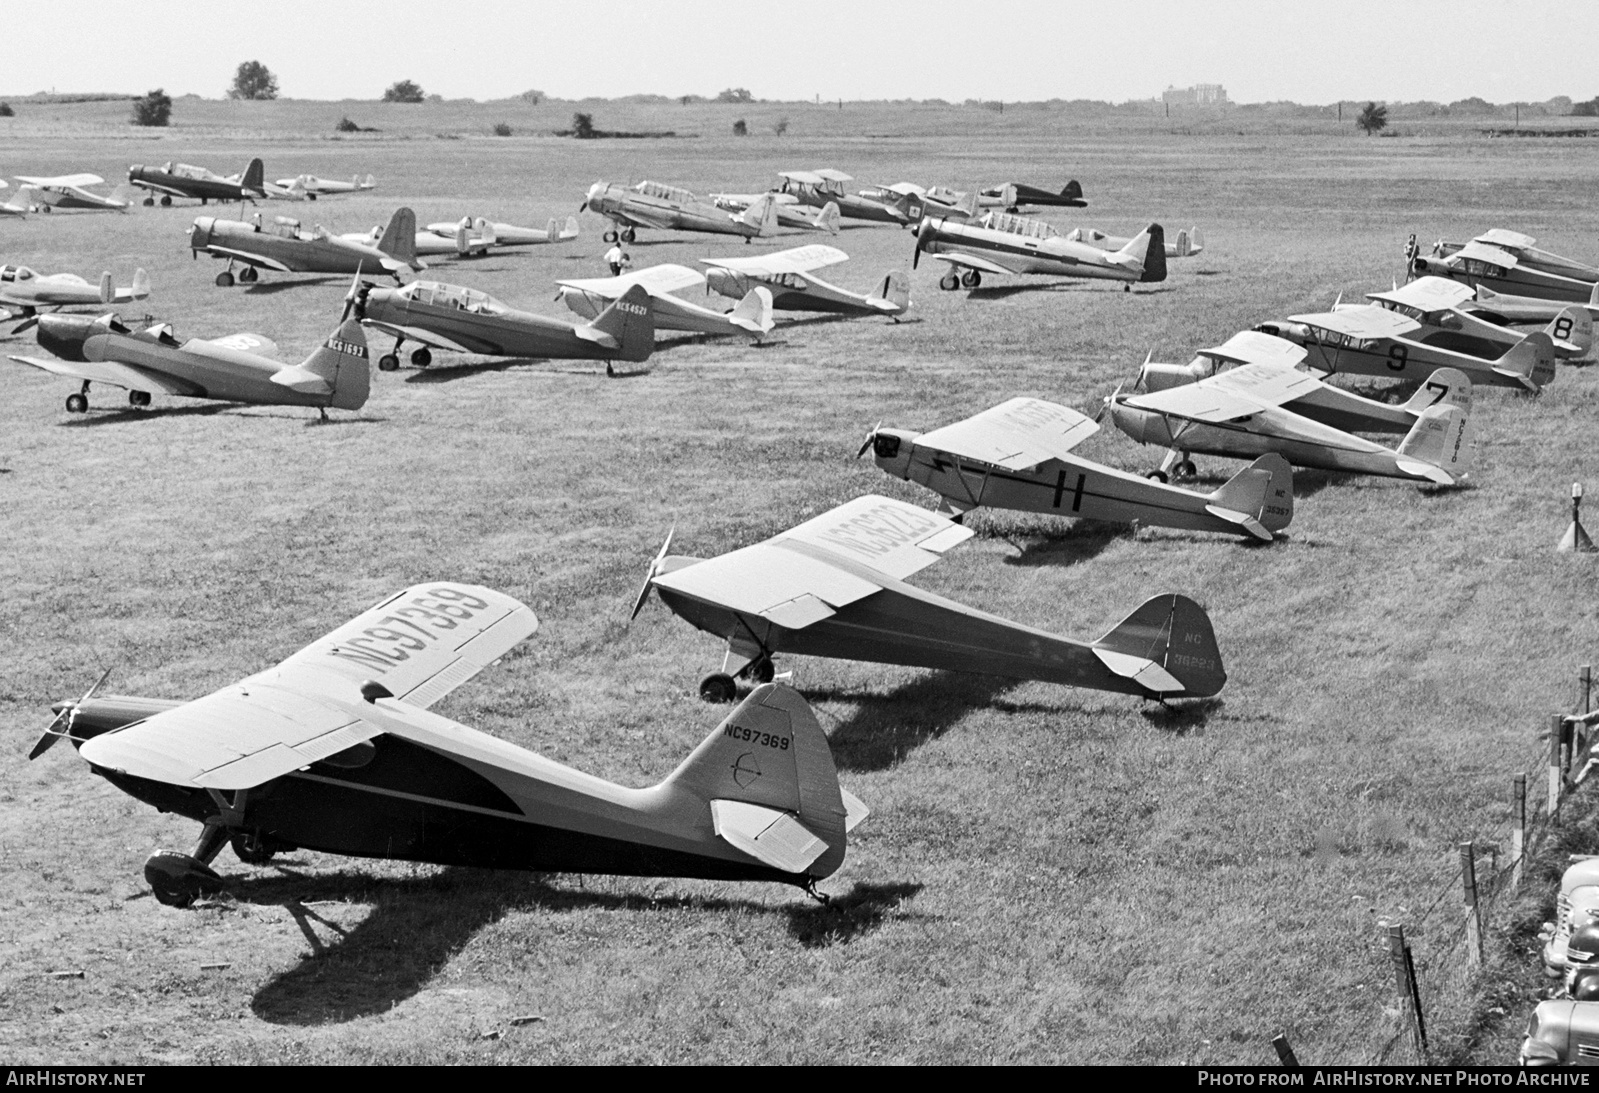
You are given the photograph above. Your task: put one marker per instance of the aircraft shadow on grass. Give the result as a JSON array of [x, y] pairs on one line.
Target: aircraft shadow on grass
[[121, 417], [1184, 719], [1000, 292], [1080, 542], [417, 925]]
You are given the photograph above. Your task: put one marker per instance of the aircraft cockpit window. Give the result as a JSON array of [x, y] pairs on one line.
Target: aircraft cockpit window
[[24, 274], [1476, 267], [1019, 225]]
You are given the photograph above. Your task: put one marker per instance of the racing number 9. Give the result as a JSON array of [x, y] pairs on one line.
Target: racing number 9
[[1398, 353]]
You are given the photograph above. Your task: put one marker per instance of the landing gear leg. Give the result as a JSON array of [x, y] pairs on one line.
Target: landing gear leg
[[820, 897], [79, 403]]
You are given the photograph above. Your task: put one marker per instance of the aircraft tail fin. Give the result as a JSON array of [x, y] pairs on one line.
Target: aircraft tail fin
[[1574, 326], [827, 219], [254, 177], [108, 291], [1149, 247], [1438, 447], [1166, 645], [895, 290], [1445, 387], [485, 231], [966, 207], [754, 312], [767, 775], [761, 215], [552, 231], [141, 284], [1259, 498], [1072, 191], [1593, 296], [628, 326], [399, 238], [338, 369], [571, 229], [1531, 361]]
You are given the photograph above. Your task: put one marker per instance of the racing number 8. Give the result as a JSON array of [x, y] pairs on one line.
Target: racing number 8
[[1397, 355], [1563, 327]]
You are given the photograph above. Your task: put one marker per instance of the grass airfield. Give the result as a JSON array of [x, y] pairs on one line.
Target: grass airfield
[[1049, 875]]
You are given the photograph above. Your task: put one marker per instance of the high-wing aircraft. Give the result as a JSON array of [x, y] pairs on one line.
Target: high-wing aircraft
[[1521, 310], [1507, 261], [183, 180], [464, 320], [315, 187], [1016, 196], [1188, 243], [239, 368], [1367, 340], [790, 212], [465, 239], [335, 750], [789, 276], [1449, 318], [67, 192], [1006, 243], [825, 186], [30, 292], [670, 208], [835, 587], [1019, 455], [1266, 404], [937, 201], [509, 235], [590, 296], [282, 246]]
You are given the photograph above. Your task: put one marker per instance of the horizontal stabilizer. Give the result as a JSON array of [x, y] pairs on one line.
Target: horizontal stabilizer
[[775, 838], [1168, 646], [1259, 498], [1531, 361]]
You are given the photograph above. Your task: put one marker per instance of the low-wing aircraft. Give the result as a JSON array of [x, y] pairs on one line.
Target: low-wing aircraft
[[1367, 340], [825, 186], [790, 212], [789, 276], [1019, 455], [1188, 243], [1267, 404], [670, 208], [1449, 318], [238, 368], [30, 292], [315, 187], [464, 320], [465, 239], [1006, 243], [752, 316], [939, 201], [183, 180], [509, 235], [67, 192], [335, 750], [1016, 196], [835, 587], [282, 246]]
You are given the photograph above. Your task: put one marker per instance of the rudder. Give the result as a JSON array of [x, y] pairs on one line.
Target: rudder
[[896, 289], [1439, 446], [1263, 491], [1171, 634], [254, 176], [1153, 241], [399, 238], [630, 321]]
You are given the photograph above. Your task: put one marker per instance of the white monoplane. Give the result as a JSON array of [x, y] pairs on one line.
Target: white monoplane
[[789, 276], [29, 292], [752, 316], [67, 192]]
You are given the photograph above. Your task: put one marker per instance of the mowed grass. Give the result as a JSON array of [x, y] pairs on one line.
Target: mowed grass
[[1048, 874]]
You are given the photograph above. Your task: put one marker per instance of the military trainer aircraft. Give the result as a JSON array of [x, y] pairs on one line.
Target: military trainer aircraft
[[67, 192], [1266, 404], [183, 180], [287, 249], [315, 187], [464, 320], [788, 275], [1016, 196], [239, 368], [335, 750], [752, 316], [509, 235], [1006, 243], [790, 212], [835, 587], [654, 205], [30, 292], [1188, 243], [465, 239], [825, 186], [1451, 317], [1019, 455]]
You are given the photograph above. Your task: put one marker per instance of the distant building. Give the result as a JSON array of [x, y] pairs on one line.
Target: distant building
[[1201, 94]]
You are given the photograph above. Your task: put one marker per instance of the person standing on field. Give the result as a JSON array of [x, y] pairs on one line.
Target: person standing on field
[[618, 259]]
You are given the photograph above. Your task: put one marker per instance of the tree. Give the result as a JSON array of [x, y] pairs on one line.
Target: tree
[[1372, 118], [583, 126], [154, 109], [5, 110], [253, 80], [740, 128], [404, 91], [534, 97]]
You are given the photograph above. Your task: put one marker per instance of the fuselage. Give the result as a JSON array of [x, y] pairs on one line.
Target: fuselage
[[299, 251], [206, 188], [476, 323], [663, 207], [671, 312], [1520, 279], [791, 292], [1019, 252], [1394, 357]]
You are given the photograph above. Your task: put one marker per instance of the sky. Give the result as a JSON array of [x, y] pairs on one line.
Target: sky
[[1114, 50]]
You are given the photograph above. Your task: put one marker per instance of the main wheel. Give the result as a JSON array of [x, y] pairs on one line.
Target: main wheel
[[250, 848], [224, 279], [77, 404], [628, 235], [148, 202], [718, 687], [421, 357], [1158, 476], [761, 670], [138, 398], [44, 208], [971, 278], [949, 282], [608, 237], [249, 275], [388, 363], [166, 200], [310, 197], [1186, 469]]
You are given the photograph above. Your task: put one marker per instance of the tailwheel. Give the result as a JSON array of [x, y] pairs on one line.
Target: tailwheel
[[250, 848], [949, 282], [166, 200], [224, 279], [718, 687], [249, 275], [178, 879], [77, 404], [421, 357], [628, 235], [971, 278], [388, 363], [138, 398]]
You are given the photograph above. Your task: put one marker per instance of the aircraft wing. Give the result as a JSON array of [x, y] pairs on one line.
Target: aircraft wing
[[805, 574], [1254, 347], [794, 260], [246, 256], [1494, 237], [1015, 435], [1487, 252], [1427, 294], [417, 334], [1361, 322], [804, 178], [655, 279], [159, 187], [972, 261], [1228, 396], [61, 180], [115, 374], [417, 645]]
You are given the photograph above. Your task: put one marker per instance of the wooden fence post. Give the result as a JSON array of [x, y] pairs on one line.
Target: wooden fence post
[[1285, 1053], [1468, 877], [1409, 993], [1518, 829], [1585, 682], [1557, 731]]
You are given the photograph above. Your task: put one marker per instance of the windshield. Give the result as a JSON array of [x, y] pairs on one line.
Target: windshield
[[1018, 225], [436, 294]]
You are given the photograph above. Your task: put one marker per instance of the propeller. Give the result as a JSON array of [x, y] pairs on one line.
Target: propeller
[[62, 725], [355, 299], [921, 244], [26, 324], [871, 436], [649, 578], [1106, 402]]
